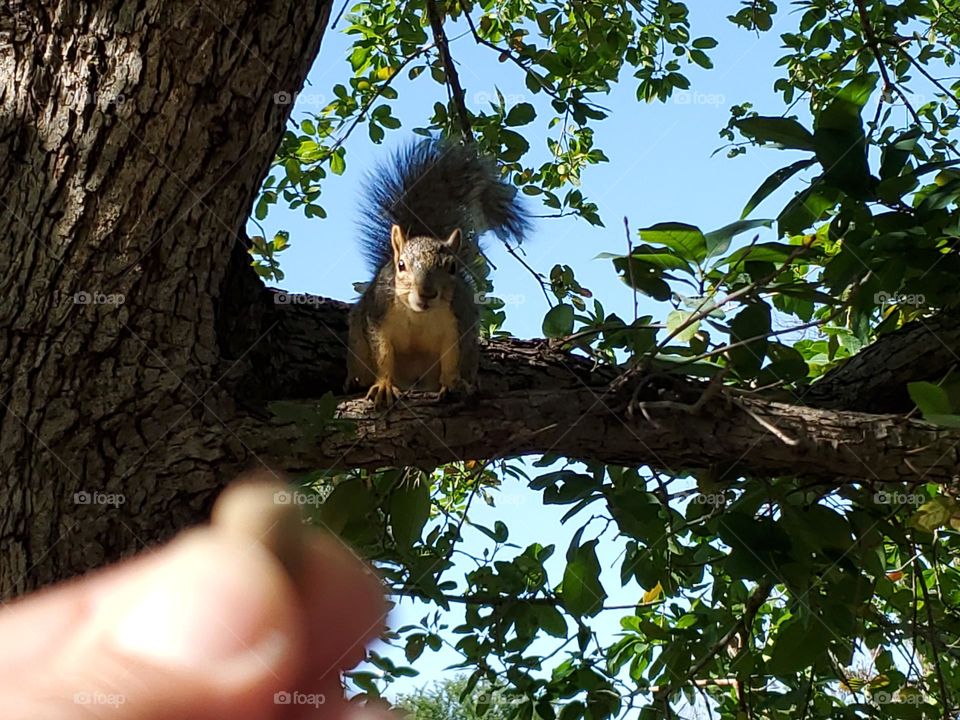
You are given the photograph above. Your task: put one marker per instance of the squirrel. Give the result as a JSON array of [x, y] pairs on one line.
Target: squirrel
[[416, 325]]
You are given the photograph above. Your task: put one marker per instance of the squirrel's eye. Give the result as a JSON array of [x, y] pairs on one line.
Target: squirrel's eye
[[451, 266], [401, 265]]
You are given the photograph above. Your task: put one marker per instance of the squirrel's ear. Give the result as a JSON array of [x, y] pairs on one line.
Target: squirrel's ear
[[397, 240], [453, 242]]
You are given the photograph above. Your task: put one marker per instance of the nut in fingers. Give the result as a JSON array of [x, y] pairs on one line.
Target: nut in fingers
[[259, 508]]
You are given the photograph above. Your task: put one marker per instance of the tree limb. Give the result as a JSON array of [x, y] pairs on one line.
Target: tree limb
[[537, 399]]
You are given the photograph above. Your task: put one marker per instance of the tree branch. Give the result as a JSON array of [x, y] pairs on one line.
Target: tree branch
[[450, 69], [537, 399]]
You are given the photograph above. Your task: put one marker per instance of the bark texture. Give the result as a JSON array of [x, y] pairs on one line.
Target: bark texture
[[142, 361], [133, 137]]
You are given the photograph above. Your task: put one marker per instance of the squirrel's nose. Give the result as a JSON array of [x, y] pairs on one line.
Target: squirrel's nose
[[427, 293]]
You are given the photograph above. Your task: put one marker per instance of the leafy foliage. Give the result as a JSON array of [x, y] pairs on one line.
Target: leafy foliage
[[445, 701], [759, 597]]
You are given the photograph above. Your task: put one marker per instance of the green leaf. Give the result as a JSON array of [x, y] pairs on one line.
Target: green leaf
[[798, 646], [558, 322], [581, 591], [752, 321], [929, 398], [770, 185], [843, 112], [843, 154], [337, 163], [719, 240], [675, 319], [687, 240], [346, 506], [806, 208], [260, 212], [409, 511], [642, 276], [415, 647], [947, 421], [551, 620], [761, 252], [662, 260], [782, 132], [521, 114], [935, 514]]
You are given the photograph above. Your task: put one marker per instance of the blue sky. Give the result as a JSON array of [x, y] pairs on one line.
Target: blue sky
[[660, 169]]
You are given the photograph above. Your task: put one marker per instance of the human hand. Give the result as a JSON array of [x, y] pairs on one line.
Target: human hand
[[250, 618]]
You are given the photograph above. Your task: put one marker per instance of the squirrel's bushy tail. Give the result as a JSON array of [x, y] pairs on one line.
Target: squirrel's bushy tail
[[432, 187]]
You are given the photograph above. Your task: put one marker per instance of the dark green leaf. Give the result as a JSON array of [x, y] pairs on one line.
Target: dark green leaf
[[409, 510], [719, 240], [931, 399], [521, 114], [770, 185], [751, 322], [686, 240], [783, 132], [581, 591], [558, 322]]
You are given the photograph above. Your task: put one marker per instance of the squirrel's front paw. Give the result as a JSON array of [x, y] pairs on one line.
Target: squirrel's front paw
[[383, 393]]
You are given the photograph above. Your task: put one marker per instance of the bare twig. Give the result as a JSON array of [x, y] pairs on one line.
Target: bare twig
[[757, 598], [450, 70], [873, 42], [934, 643], [633, 285], [922, 70]]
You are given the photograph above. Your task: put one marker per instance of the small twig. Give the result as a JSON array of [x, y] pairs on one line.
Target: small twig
[[505, 52], [512, 251], [450, 70], [922, 70], [343, 9], [944, 697], [772, 429], [871, 39], [371, 101], [633, 285], [757, 598], [774, 333]]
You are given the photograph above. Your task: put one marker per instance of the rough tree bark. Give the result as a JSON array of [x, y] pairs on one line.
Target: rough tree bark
[[133, 138]]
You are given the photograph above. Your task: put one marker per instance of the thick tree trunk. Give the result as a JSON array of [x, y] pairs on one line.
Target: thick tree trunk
[[142, 361], [133, 136]]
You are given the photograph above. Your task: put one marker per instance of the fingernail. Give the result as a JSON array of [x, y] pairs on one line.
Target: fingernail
[[197, 613]]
